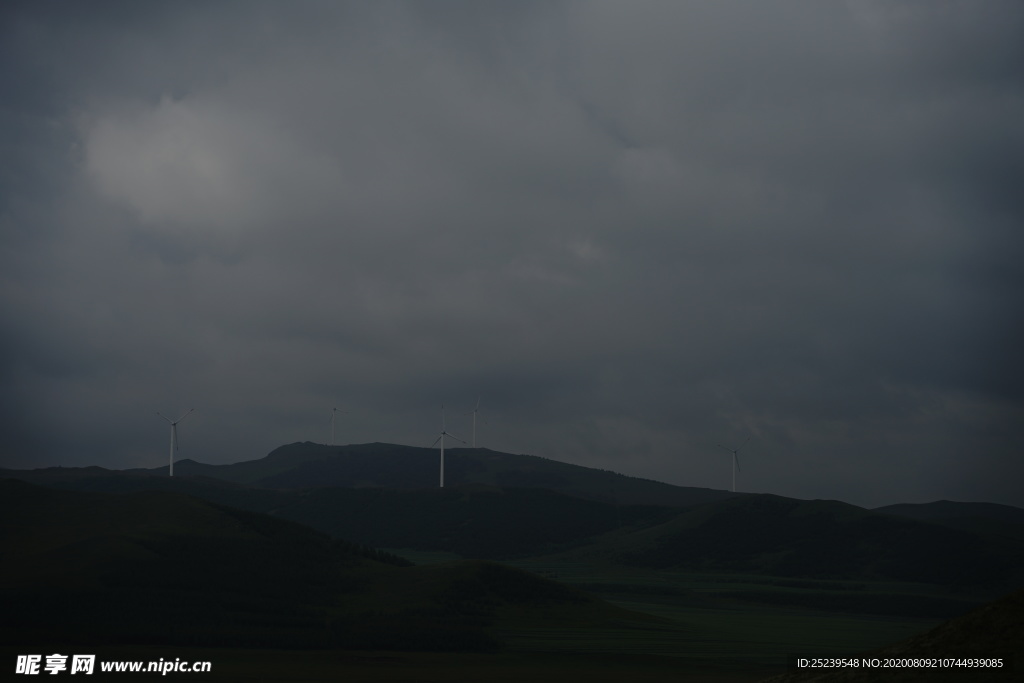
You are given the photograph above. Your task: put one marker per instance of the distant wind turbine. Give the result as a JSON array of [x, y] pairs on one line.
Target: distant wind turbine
[[444, 433], [735, 461], [475, 411], [334, 413], [174, 434]]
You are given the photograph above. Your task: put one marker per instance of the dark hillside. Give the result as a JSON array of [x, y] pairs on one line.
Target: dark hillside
[[158, 568], [99, 480], [759, 534], [984, 518], [948, 509], [381, 465], [470, 520], [95, 566], [822, 539]]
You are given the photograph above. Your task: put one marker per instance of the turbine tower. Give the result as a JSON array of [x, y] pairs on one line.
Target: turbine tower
[[444, 433], [174, 434], [735, 461], [334, 413], [475, 410]]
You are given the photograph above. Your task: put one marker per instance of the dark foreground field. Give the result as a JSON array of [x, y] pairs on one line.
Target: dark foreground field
[[406, 667]]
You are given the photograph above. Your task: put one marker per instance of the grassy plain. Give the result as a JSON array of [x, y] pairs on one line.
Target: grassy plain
[[710, 626], [692, 633]]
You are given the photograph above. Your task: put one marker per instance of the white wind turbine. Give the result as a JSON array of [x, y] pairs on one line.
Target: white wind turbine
[[444, 433], [174, 434], [334, 414], [475, 411], [735, 461]]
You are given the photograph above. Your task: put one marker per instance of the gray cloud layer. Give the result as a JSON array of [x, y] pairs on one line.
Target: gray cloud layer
[[637, 230]]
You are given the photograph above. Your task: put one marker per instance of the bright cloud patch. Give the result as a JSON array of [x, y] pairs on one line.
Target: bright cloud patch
[[196, 164]]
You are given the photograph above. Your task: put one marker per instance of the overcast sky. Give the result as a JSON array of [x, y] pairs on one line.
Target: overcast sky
[[636, 230]]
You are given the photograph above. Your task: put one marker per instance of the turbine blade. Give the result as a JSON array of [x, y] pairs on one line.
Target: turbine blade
[[163, 416], [435, 442], [190, 410], [477, 404], [174, 436], [728, 449], [737, 459], [453, 437]]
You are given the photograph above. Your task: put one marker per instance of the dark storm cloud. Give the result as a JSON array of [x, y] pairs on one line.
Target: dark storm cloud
[[638, 231]]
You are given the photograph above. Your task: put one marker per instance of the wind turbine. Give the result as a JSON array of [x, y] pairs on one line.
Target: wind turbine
[[174, 434], [735, 461], [475, 410], [444, 433], [334, 413]]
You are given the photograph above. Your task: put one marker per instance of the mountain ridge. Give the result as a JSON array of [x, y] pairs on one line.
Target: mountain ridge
[[303, 465]]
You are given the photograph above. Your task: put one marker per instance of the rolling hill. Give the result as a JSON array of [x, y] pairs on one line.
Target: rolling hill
[[984, 518], [380, 465], [948, 509], [752, 534], [500, 506], [471, 520], [163, 568], [248, 556], [779, 536]]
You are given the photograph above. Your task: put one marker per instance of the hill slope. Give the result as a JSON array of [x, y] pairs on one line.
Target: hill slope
[[162, 568], [308, 465], [985, 518], [760, 534], [471, 520], [948, 509], [817, 539]]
